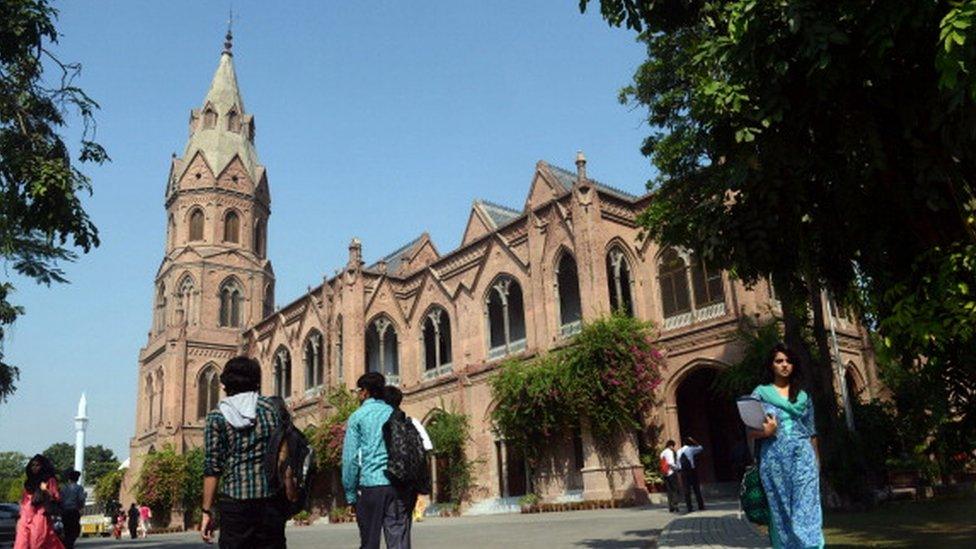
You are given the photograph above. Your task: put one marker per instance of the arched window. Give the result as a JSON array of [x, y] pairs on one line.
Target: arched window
[[233, 121], [436, 343], [151, 399], [567, 289], [282, 373], [230, 304], [209, 119], [196, 225], [313, 361], [161, 389], [505, 317], [707, 284], [382, 350], [259, 238], [208, 390], [673, 277], [232, 227], [159, 319], [171, 232], [187, 300], [267, 304], [338, 351], [619, 282]]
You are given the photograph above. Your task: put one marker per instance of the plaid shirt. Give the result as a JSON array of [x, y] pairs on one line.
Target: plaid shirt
[[237, 455]]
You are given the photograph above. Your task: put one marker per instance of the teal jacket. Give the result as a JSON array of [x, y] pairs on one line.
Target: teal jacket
[[363, 450]]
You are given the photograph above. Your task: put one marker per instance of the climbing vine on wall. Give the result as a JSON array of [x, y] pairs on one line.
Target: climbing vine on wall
[[449, 433], [606, 378]]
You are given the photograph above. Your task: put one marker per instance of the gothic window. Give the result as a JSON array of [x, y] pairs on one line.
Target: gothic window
[[619, 282], [505, 317], [259, 238], [196, 225], [437, 342], [338, 352], [673, 277], [161, 389], [382, 349], [151, 400], [209, 119], [567, 290], [232, 227], [313, 360], [159, 318], [171, 233], [187, 300], [707, 284], [233, 121], [230, 304], [282, 372], [208, 390], [267, 304]]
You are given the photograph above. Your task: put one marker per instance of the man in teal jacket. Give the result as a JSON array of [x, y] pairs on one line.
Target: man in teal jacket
[[378, 506]]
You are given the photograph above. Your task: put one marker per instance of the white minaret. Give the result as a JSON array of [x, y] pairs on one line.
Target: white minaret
[[81, 421]]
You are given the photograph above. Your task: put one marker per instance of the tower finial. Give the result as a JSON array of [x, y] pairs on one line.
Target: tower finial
[[229, 38]]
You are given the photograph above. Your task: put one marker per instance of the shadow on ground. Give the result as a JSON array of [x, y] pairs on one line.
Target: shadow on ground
[[635, 539]]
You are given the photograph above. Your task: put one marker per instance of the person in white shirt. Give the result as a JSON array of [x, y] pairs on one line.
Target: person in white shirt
[[689, 472], [669, 468]]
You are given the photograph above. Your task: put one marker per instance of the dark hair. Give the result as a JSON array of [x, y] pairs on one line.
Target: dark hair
[[72, 474], [393, 396], [373, 382], [669, 444], [33, 481], [241, 375], [279, 404], [796, 378]]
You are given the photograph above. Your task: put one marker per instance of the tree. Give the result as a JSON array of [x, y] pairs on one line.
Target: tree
[[107, 487], [98, 459], [42, 219], [12, 465], [828, 145]]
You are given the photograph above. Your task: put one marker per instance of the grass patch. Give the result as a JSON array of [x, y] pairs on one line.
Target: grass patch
[[944, 523]]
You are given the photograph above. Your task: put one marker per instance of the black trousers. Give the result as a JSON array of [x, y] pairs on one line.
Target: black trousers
[[690, 479], [674, 493], [251, 524], [383, 508], [72, 527]]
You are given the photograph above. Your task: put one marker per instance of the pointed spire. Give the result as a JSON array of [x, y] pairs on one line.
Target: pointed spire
[[229, 37]]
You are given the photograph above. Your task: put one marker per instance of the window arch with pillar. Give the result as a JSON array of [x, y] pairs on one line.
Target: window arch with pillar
[[208, 390], [435, 342], [160, 401], [504, 317], [690, 291], [151, 401], [568, 295], [187, 299], [196, 225], [312, 355], [231, 299], [620, 281], [383, 349], [282, 372], [159, 316], [338, 348]]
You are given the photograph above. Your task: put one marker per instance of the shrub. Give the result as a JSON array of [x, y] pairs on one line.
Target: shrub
[[107, 487], [449, 433]]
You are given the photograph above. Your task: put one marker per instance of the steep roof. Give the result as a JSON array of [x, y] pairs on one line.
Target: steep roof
[[219, 145], [395, 259], [567, 178], [496, 214]]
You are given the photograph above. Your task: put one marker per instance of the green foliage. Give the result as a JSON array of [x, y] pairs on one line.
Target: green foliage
[[12, 465], [12, 489], [168, 479], [606, 378], [98, 459], [757, 339], [528, 500], [107, 487], [449, 432], [328, 437], [40, 187]]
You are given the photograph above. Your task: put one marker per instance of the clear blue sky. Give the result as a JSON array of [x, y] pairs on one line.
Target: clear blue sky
[[377, 119]]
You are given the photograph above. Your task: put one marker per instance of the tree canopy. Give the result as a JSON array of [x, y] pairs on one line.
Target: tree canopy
[[42, 219], [98, 459]]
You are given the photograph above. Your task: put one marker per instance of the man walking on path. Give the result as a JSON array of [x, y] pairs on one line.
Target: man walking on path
[[364, 462], [669, 459], [235, 441], [689, 474], [72, 503]]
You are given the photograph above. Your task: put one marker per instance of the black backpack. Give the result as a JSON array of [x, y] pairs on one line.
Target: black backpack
[[406, 465], [301, 460]]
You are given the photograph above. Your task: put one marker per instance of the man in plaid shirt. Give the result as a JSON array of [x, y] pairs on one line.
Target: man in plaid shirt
[[235, 440]]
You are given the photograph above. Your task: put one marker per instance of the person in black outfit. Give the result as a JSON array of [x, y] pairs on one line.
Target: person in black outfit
[[687, 457], [133, 521]]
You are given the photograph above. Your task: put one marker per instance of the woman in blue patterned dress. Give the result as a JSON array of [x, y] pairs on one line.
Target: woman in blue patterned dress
[[789, 463]]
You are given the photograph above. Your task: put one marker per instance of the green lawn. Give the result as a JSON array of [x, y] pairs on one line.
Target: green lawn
[[942, 523]]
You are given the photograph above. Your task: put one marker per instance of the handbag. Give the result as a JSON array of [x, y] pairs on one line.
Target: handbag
[[752, 495]]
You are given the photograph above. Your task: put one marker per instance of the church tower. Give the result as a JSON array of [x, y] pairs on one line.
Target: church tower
[[215, 279]]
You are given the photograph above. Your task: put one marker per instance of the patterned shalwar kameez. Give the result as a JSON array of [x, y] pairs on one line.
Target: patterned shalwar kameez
[[790, 473]]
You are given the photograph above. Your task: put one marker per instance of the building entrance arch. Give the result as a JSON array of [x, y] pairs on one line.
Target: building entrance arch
[[711, 418]]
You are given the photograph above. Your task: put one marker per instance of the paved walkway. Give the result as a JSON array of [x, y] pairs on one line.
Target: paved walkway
[[719, 526]]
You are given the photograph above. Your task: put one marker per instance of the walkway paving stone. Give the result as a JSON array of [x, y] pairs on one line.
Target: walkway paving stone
[[719, 526]]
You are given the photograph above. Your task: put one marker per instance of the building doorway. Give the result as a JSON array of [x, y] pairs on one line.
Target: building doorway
[[712, 419]]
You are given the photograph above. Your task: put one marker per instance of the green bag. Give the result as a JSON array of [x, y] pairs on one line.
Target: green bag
[[752, 497]]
